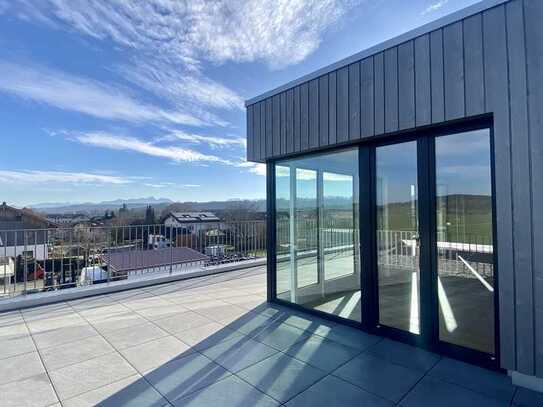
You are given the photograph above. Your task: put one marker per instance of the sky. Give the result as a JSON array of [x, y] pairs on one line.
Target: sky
[[127, 99]]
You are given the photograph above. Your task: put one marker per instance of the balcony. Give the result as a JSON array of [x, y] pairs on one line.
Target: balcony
[[214, 341]]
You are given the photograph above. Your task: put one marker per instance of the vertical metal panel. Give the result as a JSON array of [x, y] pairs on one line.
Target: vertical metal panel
[[534, 46], [354, 101], [269, 128], [262, 130], [343, 104], [379, 89], [438, 91], [250, 133], [406, 85], [297, 120], [453, 56], [367, 97], [496, 96], [256, 131], [276, 121], [423, 95], [391, 90], [474, 73], [323, 110], [290, 121], [314, 113], [304, 116], [332, 107], [283, 123]]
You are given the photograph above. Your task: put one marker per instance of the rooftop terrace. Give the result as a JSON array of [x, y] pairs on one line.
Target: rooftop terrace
[[214, 341]]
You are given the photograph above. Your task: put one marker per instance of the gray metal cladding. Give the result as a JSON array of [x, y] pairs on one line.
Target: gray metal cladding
[[488, 62]]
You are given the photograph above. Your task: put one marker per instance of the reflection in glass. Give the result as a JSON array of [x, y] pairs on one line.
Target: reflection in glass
[[464, 240], [282, 208], [317, 233], [397, 236]]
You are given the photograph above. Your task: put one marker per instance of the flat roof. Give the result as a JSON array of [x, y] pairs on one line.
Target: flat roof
[[410, 35], [142, 259]]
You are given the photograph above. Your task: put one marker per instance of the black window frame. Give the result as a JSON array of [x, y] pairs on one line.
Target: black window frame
[[429, 312]]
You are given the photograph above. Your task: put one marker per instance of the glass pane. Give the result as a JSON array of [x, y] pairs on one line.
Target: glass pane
[[397, 236], [282, 208], [317, 233], [464, 240], [306, 227], [338, 229]]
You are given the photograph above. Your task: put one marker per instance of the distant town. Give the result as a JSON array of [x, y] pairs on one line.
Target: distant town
[[148, 211]]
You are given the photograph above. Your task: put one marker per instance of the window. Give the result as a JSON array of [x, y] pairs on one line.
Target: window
[[317, 252]]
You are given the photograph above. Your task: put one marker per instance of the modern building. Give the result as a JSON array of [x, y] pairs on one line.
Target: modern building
[[67, 219], [23, 233], [179, 219], [405, 187]]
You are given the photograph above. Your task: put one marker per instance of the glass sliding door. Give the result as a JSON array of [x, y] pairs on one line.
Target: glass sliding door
[[317, 233], [398, 236], [464, 221], [283, 210], [306, 227]]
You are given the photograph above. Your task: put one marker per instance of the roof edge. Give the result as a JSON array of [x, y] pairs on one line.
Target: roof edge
[[409, 35]]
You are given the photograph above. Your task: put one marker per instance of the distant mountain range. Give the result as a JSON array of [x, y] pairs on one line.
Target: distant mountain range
[[93, 207], [159, 204]]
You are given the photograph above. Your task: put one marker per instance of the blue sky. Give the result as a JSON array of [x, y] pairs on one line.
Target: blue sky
[[131, 98]]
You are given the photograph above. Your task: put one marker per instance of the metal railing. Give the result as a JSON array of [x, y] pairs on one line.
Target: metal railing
[[37, 260]]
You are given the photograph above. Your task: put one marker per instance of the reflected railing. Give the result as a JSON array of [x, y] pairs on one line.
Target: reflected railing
[[38, 260]]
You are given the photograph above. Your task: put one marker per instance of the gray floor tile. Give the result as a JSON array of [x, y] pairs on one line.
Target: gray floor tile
[[150, 355], [79, 378], [46, 311], [379, 376], [251, 323], [185, 375], [332, 391], [230, 392], [355, 338], [308, 322], [57, 357], [113, 322], [133, 391], [434, 392], [322, 353], [281, 336], [528, 398], [405, 355], [208, 335], [20, 367], [34, 391], [182, 322], [16, 345], [61, 336], [128, 337], [13, 331], [44, 325], [156, 313], [490, 383], [239, 353], [281, 376]]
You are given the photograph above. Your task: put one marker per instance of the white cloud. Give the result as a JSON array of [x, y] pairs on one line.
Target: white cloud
[[83, 95], [123, 143], [254, 168], [435, 6], [184, 87], [38, 177], [277, 32], [212, 141]]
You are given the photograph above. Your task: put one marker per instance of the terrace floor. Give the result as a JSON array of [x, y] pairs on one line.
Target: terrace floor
[[213, 341]]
